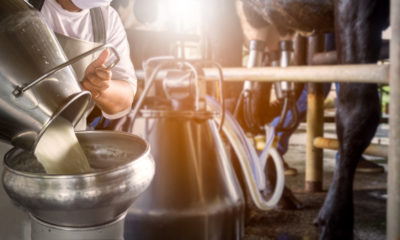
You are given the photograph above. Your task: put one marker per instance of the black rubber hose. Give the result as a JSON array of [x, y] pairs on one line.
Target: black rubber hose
[[280, 125], [295, 116], [288, 104], [249, 114]]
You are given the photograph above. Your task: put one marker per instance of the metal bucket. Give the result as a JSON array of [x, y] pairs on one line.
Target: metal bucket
[[124, 166], [29, 51], [195, 193]]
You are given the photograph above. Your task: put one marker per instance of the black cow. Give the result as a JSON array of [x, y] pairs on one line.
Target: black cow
[[358, 26]]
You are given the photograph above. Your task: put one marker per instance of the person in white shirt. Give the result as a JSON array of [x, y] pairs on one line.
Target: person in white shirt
[[73, 22]]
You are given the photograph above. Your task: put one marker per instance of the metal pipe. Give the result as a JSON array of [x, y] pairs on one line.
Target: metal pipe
[[360, 73], [315, 123], [393, 202], [333, 144]]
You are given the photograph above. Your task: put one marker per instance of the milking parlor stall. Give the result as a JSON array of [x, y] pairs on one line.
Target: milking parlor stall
[[200, 119]]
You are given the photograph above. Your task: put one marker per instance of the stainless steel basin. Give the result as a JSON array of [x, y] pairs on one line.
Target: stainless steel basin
[[124, 169]]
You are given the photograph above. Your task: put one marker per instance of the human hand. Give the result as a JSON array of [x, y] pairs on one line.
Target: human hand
[[97, 76]]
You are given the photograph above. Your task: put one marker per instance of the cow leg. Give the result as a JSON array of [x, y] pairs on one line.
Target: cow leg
[[358, 36], [357, 120]]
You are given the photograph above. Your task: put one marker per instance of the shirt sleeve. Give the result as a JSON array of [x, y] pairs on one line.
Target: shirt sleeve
[[116, 36]]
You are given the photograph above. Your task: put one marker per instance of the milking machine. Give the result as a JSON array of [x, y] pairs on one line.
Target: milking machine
[[37, 86], [195, 193], [285, 91], [247, 101]]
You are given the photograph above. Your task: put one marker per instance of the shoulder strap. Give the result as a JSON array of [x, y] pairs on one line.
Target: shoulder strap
[[99, 28], [38, 4]]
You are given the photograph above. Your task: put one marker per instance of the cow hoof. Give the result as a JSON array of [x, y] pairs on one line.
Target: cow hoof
[[334, 225]]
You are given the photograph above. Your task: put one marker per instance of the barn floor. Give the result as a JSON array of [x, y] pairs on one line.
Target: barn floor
[[369, 197]]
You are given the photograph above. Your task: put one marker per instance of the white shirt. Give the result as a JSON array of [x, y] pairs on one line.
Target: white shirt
[[79, 25]]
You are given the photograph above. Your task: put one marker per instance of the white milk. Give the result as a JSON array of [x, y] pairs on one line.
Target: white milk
[[59, 151]]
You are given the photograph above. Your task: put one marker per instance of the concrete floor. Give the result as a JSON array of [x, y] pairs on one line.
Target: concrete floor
[[369, 197]]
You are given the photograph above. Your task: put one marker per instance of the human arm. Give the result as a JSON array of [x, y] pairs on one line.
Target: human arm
[[121, 89], [112, 96]]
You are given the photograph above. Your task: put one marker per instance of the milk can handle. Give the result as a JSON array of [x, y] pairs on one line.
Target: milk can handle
[[19, 90]]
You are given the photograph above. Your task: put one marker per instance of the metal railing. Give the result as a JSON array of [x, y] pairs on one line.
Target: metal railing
[[360, 73]]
